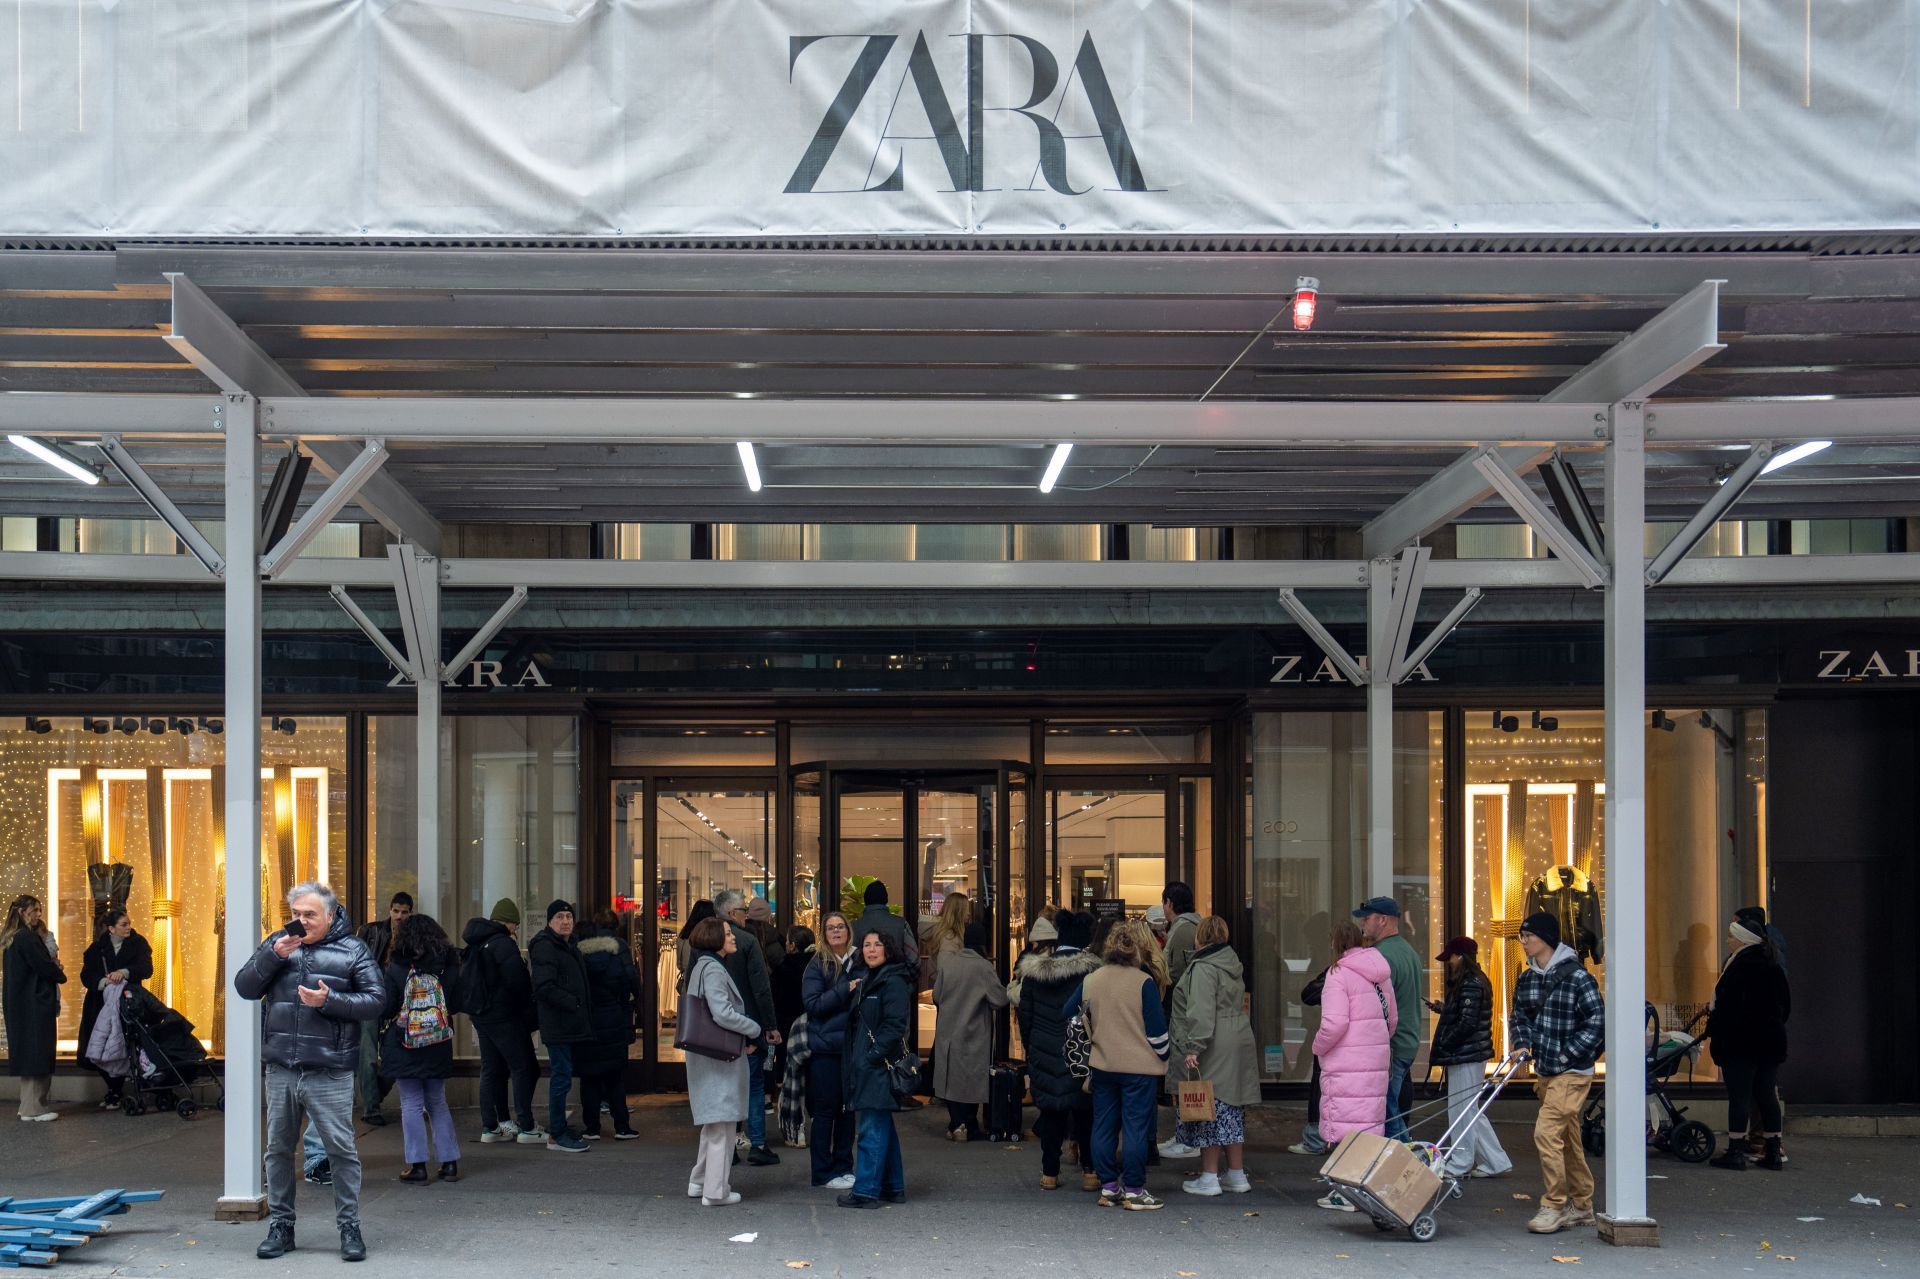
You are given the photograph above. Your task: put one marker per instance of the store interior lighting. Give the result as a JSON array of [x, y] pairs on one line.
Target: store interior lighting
[[56, 457], [209, 724], [1055, 464], [1506, 723], [1794, 454], [283, 724], [35, 724], [1546, 723], [1663, 721]]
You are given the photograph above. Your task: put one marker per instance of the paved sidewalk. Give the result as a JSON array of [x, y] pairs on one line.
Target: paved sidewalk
[[976, 1209]]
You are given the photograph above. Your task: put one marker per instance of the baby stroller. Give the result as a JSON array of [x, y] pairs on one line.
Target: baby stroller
[[1668, 1128], [169, 1064]]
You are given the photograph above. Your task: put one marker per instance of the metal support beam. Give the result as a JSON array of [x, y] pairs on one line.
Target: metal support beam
[[1451, 493], [1710, 512], [1570, 501], [380, 641], [1438, 635], [1678, 339], [1381, 657], [1409, 578], [1529, 508], [242, 1193], [416, 586], [482, 637], [329, 504], [283, 497], [1335, 651], [210, 340], [162, 505], [1626, 829]]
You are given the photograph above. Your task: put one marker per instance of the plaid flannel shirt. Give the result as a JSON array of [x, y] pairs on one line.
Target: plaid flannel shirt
[[793, 1084], [1565, 1026]]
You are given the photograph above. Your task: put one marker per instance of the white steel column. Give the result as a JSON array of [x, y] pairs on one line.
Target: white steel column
[[428, 842], [1626, 1220], [243, 1194], [1380, 660]]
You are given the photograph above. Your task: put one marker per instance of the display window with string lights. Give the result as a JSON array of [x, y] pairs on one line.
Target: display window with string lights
[[1535, 828], [126, 812]]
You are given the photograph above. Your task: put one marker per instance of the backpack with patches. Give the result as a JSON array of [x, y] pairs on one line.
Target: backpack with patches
[[425, 1020]]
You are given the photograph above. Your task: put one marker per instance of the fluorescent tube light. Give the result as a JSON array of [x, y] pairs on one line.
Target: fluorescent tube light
[[1055, 465], [54, 457], [749, 464], [1794, 454]]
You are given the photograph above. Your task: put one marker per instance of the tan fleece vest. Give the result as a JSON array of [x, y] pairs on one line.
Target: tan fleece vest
[[1111, 998]]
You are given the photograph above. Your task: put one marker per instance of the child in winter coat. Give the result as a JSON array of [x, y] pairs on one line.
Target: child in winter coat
[[1357, 1020]]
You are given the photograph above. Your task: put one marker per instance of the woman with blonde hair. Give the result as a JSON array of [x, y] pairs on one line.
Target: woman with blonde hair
[[946, 935], [1213, 1040], [1126, 1024], [826, 992]]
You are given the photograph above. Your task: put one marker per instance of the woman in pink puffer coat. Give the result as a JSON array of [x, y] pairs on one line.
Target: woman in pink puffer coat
[[1357, 1018]]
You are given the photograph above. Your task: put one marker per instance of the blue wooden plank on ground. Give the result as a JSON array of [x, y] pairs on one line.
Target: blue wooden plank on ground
[[92, 1206], [37, 1221], [8, 1204], [42, 1238]]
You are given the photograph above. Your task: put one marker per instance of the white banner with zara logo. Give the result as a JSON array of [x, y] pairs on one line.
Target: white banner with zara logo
[[602, 118]]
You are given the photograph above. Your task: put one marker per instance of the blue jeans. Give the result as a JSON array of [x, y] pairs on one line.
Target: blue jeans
[[877, 1165], [559, 1084], [831, 1141], [757, 1097], [312, 1152], [1396, 1129], [1123, 1116]]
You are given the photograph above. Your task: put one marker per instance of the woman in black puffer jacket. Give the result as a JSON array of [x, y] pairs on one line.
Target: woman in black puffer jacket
[[421, 951], [1748, 1031], [613, 981], [1047, 981], [1463, 1044]]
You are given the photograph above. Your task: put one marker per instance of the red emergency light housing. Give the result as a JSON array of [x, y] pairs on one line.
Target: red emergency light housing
[[1306, 300]]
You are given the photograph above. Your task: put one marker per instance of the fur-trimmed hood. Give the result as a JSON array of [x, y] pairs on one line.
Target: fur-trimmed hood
[[600, 946], [1053, 967]]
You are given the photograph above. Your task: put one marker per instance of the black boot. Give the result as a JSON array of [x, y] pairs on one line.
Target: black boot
[[1774, 1160], [1733, 1157], [415, 1175], [352, 1246], [450, 1170], [278, 1243]]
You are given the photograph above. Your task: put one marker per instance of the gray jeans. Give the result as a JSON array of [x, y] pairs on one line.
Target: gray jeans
[[326, 1098]]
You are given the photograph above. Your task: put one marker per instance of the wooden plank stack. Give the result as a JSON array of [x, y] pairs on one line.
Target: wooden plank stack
[[37, 1232]]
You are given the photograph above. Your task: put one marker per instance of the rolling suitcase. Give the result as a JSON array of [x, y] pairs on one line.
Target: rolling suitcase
[[1006, 1105]]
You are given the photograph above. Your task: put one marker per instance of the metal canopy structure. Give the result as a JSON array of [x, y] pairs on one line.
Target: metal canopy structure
[[449, 385]]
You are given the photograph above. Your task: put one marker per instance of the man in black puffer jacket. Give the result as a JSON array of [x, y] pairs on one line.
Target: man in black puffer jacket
[[316, 983], [563, 999], [1047, 982]]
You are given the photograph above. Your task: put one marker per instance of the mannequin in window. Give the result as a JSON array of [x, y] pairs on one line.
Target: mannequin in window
[[1570, 896]]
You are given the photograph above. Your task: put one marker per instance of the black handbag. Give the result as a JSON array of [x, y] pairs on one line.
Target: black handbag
[[903, 1071], [697, 1032]]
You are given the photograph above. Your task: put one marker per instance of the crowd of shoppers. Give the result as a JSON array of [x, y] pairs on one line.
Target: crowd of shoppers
[[1108, 1012]]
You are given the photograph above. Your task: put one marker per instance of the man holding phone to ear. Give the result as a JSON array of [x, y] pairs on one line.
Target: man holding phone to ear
[[316, 983]]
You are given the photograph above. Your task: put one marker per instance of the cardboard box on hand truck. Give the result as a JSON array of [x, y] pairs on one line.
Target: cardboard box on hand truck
[[1387, 1170]]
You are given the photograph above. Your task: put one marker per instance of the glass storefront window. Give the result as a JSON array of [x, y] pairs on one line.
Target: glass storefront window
[[515, 791], [1129, 744], [1308, 857], [1107, 844], [128, 811], [726, 745], [1535, 831]]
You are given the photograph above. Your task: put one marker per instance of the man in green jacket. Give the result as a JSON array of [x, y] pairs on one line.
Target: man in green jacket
[[1380, 923]]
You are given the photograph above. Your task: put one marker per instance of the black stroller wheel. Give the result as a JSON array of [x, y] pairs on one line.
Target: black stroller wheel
[[187, 1108], [130, 1105], [221, 1105], [1692, 1141]]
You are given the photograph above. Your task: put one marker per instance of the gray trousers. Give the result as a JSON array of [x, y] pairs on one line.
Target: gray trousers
[[325, 1097]]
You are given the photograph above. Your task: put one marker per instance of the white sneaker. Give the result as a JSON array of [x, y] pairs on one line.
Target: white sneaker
[[1206, 1183], [1235, 1183], [532, 1137], [1171, 1148], [1302, 1148], [843, 1182], [45, 1117], [695, 1190], [733, 1197], [1335, 1202], [742, 1143]]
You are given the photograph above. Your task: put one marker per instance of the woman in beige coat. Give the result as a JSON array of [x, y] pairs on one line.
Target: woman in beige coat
[[966, 991], [1213, 1040]]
